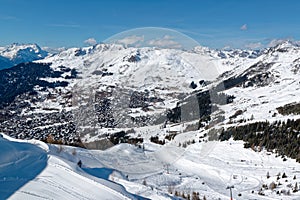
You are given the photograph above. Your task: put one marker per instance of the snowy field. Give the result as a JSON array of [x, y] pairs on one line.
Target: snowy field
[[34, 170]]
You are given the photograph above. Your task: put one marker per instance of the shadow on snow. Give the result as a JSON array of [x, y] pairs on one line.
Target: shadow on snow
[[19, 164], [104, 173]]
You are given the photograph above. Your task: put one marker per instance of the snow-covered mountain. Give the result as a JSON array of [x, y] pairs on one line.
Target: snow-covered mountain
[[110, 86], [266, 83], [18, 53], [170, 109]]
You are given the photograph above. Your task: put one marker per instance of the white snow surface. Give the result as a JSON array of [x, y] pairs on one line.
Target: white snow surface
[[260, 102], [31, 170], [155, 68], [34, 170]]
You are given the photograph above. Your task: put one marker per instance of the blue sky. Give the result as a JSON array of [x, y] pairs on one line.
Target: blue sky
[[213, 23]]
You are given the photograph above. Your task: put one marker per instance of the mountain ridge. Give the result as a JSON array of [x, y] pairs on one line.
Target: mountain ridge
[[14, 54], [136, 84]]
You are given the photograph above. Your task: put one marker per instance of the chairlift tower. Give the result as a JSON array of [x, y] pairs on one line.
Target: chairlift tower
[[230, 188]]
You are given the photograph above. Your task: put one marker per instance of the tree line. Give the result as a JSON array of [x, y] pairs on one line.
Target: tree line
[[283, 137]]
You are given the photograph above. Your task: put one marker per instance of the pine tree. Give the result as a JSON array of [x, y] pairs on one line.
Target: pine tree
[[272, 186], [284, 175], [183, 195], [144, 182], [177, 193], [296, 187], [188, 197]]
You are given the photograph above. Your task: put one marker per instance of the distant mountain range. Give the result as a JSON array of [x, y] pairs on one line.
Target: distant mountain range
[[19, 53]]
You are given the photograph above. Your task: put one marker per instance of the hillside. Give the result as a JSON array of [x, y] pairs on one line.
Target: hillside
[[31, 169], [160, 122], [202, 169]]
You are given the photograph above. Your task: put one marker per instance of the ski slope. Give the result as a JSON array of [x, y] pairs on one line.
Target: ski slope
[[31, 172], [34, 170]]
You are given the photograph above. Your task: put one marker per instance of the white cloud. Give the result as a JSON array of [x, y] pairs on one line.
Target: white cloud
[[275, 42], [167, 41], [254, 45], [90, 41], [168, 37], [130, 40], [227, 47], [244, 27], [53, 50]]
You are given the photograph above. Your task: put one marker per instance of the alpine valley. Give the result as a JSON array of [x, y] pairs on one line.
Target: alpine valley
[[149, 123]]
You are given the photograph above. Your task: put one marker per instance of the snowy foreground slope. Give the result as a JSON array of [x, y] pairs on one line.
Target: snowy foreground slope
[[30, 170], [34, 170]]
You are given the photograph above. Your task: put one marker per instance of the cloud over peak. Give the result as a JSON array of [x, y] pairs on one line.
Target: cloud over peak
[[166, 41], [244, 27], [254, 45], [90, 41], [130, 40]]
